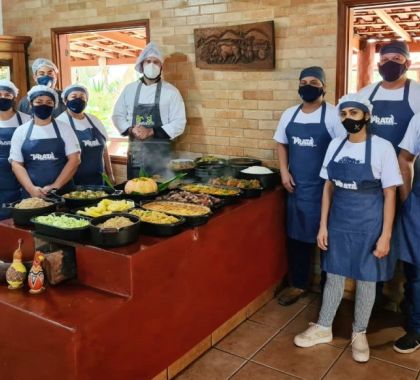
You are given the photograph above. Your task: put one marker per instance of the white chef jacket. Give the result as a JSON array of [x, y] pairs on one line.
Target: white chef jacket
[[172, 108]]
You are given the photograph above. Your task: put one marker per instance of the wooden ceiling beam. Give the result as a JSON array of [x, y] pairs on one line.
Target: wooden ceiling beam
[[111, 47], [109, 62], [123, 39], [76, 47], [393, 25], [79, 55]]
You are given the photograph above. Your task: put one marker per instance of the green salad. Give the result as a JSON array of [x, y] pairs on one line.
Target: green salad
[[62, 221]]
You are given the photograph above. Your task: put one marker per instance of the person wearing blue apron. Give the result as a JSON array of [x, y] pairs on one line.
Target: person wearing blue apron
[[152, 113], [44, 153], [303, 135], [10, 189], [91, 135], [358, 205], [406, 238], [395, 100]]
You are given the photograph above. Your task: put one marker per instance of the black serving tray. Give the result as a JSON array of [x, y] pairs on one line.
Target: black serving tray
[[72, 234], [157, 229]]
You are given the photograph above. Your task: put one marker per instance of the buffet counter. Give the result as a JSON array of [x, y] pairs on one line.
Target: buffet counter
[[135, 310]]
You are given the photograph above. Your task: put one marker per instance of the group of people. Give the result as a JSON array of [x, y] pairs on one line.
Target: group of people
[[349, 171], [49, 142]]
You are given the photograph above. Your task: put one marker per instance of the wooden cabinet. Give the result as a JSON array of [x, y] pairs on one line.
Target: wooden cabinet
[[13, 61]]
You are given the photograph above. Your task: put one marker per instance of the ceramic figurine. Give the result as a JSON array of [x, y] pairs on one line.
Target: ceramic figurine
[[36, 274], [16, 273]]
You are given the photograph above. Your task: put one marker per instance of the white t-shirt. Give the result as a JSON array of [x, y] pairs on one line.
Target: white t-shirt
[[83, 124], [172, 108], [384, 160], [42, 132], [332, 122], [13, 121], [411, 140], [395, 95]]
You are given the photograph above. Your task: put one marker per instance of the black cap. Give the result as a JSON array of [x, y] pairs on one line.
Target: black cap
[[313, 71], [399, 47]]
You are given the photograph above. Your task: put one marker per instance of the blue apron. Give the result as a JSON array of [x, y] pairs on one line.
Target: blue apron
[[307, 144], [44, 159], [355, 221], [10, 189], [152, 155], [390, 118], [406, 237], [92, 145]]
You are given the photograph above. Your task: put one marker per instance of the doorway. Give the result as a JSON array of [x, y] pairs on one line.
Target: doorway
[[363, 27], [100, 57]]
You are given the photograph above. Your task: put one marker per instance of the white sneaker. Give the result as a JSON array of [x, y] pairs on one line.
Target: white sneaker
[[360, 347], [314, 334]]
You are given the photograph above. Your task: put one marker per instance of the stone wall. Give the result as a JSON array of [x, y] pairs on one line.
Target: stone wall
[[230, 113]]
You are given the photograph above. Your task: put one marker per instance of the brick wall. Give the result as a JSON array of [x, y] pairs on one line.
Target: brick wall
[[230, 113]]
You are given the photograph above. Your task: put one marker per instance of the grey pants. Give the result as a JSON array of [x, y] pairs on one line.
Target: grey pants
[[333, 293]]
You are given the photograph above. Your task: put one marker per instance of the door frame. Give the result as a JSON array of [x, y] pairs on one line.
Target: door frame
[[57, 32], [345, 7]]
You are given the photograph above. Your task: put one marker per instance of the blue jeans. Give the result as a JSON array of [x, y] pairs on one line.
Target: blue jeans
[[412, 296]]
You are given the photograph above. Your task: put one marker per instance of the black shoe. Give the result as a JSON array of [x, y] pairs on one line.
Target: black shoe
[[408, 343], [290, 295]]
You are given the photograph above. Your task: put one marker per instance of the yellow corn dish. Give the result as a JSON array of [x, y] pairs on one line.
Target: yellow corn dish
[[155, 217], [177, 208]]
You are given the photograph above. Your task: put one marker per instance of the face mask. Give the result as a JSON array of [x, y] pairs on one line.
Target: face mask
[[5, 104], [76, 105], [45, 80], [42, 111], [353, 126], [310, 93], [391, 71], [151, 71]]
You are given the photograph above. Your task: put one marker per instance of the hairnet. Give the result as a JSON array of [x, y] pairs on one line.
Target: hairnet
[[39, 62], [7, 85], [74, 87], [151, 50], [356, 101], [313, 71], [41, 90]]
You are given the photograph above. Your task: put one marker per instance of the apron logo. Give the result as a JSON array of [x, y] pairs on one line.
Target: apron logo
[[5, 142], [386, 120], [91, 143], [141, 120], [345, 185], [304, 142], [44, 157]]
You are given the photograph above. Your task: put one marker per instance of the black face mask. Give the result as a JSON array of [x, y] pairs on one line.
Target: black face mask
[[76, 105], [42, 111], [5, 104], [391, 71], [310, 93], [353, 126]]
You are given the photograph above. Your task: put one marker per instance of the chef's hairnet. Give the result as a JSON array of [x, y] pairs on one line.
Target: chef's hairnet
[[74, 87], [39, 62], [399, 47], [313, 71], [356, 101], [41, 90], [7, 85], [151, 50]]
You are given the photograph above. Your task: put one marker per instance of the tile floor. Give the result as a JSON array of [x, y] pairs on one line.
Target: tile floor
[[262, 348]]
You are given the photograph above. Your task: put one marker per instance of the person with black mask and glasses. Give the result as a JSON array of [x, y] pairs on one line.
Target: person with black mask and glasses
[[44, 153], [361, 174], [92, 136], [44, 73], [10, 190], [303, 135]]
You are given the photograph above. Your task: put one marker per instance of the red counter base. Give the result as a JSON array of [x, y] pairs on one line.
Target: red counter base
[[135, 310]]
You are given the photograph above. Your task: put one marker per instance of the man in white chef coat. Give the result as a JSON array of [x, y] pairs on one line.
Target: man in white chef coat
[[152, 113]]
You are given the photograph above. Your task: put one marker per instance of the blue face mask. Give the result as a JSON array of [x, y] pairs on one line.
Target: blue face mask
[[5, 104], [42, 111], [45, 80], [76, 105]]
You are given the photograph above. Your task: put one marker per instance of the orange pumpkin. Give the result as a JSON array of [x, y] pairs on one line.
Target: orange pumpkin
[[141, 185]]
